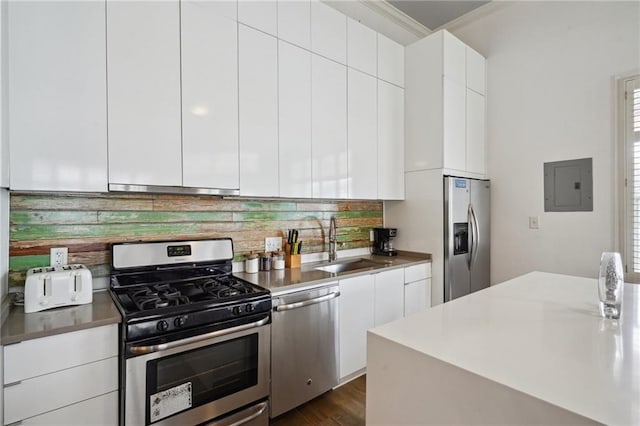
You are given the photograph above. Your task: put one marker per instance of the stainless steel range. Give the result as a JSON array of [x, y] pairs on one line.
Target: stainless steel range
[[195, 339]]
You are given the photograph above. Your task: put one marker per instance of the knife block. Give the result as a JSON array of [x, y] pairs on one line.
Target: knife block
[[291, 260]]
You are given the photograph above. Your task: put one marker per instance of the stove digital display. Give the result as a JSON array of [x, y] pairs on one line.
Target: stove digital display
[[181, 250]]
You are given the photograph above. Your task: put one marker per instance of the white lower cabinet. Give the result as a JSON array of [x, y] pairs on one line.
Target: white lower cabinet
[[357, 298], [101, 410], [389, 291], [71, 378], [417, 288], [367, 301]]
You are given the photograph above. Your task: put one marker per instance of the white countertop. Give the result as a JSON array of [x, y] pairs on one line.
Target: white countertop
[[541, 334]]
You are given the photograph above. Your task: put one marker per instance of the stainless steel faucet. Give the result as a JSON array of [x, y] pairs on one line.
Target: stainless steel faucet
[[333, 239]]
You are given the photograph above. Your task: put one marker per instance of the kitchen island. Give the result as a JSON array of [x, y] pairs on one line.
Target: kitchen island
[[532, 350]]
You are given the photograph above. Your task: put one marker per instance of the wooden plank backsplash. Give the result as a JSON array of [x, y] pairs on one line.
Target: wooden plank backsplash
[[88, 223]]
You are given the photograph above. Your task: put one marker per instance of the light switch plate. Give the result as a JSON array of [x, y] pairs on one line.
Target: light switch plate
[[533, 222]]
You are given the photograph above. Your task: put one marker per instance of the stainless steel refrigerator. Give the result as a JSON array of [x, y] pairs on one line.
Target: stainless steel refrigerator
[[466, 236]]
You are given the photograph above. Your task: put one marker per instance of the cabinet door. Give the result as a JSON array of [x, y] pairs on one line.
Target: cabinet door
[[362, 117], [258, 102], [143, 72], [294, 115], [362, 47], [475, 71], [417, 296], [294, 22], [390, 142], [454, 54], [454, 143], [475, 132], [389, 298], [329, 128], [99, 411], [209, 97], [261, 15], [390, 61], [328, 32], [356, 317], [56, 74]]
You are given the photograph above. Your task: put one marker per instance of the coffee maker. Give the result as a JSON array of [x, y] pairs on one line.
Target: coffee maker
[[382, 244]]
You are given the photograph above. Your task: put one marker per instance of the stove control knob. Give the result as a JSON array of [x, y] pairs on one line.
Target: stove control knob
[[162, 325], [237, 310], [180, 321], [249, 308]]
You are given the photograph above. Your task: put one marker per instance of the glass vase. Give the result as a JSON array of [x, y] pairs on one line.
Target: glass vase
[[610, 285]]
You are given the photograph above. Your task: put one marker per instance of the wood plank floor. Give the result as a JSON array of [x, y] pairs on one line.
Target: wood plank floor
[[342, 406]]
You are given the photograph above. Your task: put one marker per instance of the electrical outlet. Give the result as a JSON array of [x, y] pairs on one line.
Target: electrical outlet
[[58, 256], [272, 244], [533, 222]]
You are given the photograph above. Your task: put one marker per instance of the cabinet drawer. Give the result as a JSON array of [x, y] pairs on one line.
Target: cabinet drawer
[[417, 272], [48, 354], [52, 391], [98, 411]]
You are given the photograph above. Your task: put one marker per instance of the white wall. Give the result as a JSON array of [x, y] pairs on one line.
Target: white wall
[[550, 73]]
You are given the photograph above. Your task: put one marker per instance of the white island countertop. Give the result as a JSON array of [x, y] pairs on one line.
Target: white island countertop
[[540, 335]]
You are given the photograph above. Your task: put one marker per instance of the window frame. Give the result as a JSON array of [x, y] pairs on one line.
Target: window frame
[[625, 126]]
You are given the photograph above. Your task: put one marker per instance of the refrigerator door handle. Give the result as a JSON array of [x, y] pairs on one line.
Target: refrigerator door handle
[[475, 243], [472, 232]]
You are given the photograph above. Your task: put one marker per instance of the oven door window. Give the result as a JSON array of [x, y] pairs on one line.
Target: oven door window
[[186, 380]]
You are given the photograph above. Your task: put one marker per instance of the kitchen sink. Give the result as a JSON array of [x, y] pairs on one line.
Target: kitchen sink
[[348, 266]]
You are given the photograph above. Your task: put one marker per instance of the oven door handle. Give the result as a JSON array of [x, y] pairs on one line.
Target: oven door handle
[[307, 302], [251, 413], [141, 350]]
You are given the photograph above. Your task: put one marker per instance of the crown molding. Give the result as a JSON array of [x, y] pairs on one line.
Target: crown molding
[[474, 15], [382, 8]]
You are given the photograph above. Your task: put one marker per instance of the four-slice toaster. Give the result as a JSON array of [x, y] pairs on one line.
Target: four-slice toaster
[[52, 287]]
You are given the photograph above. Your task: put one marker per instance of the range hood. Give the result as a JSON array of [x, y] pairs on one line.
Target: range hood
[[158, 189]]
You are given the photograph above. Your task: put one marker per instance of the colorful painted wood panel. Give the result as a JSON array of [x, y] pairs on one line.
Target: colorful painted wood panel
[[88, 223]]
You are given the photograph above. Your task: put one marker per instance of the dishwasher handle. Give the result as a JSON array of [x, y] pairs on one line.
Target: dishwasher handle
[[307, 302]]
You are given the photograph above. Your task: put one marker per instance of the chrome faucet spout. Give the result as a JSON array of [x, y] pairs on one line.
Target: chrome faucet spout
[[333, 239]]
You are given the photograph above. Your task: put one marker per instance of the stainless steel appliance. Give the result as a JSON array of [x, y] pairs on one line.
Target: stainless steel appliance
[[304, 352], [382, 241], [466, 236], [195, 339]]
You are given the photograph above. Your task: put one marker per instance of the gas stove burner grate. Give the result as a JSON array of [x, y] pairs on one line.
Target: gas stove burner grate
[[224, 287], [158, 296]]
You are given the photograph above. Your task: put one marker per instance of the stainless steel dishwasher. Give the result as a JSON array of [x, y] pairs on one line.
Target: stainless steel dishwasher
[[304, 346]]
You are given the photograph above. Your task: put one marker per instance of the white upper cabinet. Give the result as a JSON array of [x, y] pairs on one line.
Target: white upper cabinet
[[57, 96], [362, 117], [209, 97], [454, 58], [390, 61], [362, 50], [455, 151], [143, 72], [4, 140], [294, 86], [261, 15], [445, 117], [390, 142], [475, 132], [258, 103], [475, 71], [294, 22], [329, 128], [328, 32]]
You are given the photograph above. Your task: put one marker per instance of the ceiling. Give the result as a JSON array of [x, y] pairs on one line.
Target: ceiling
[[434, 14]]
